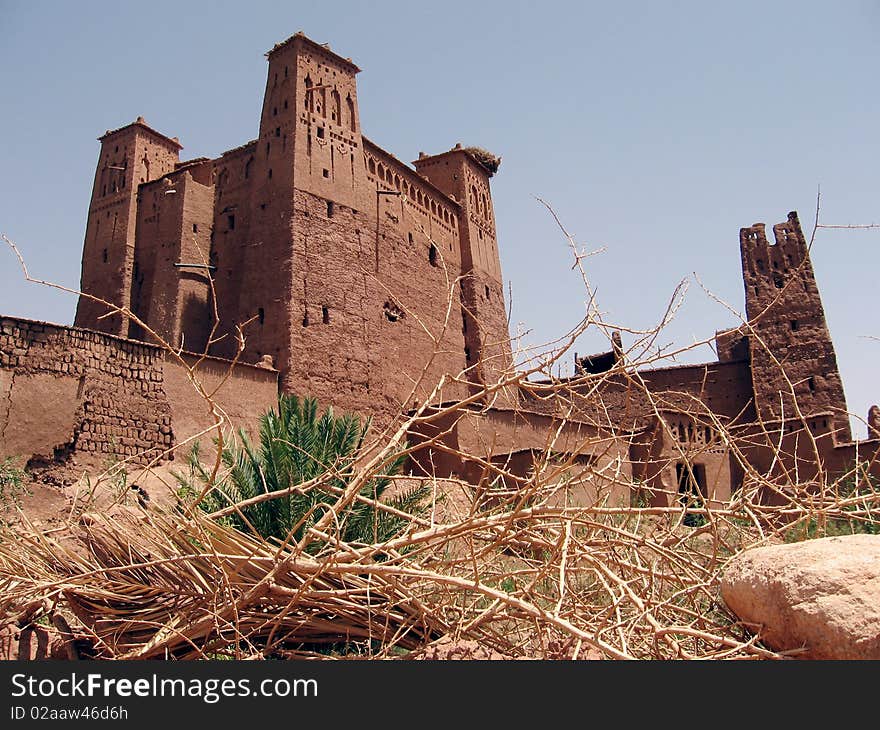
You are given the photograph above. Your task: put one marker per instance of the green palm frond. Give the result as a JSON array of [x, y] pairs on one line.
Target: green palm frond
[[298, 445]]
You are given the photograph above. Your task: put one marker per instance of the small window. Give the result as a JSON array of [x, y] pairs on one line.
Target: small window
[[777, 281], [325, 314], [105, 256], [811, 384], [268, 147], [261, 315], [432, 255], [285, 103], [487, 291], [794, 325], [320, 132], [195, 227], [326, 172], [270, 173], [277, 131], [306, 319], [230, 220], [409, 237], [330, 209], [274, 111]]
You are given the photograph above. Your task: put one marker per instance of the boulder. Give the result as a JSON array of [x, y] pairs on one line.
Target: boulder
[[819, 596]]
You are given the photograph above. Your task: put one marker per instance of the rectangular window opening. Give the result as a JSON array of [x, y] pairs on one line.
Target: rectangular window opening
[[330, 209], [320, 132], [261, 315], [794, 325], [195, 227], [326, 172], [325, 314], [230, 220]]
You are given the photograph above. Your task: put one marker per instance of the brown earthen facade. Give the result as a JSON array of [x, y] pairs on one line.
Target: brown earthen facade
[[363, 279], [377, 287]]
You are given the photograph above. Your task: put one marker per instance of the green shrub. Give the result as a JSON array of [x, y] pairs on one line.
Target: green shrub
[[296, 446], [12, 482]]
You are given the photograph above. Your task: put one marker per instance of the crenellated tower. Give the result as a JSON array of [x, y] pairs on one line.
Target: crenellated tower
[[129, 156], [792, 356]]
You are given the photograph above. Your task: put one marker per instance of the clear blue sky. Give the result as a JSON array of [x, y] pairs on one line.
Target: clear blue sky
[[656, 131]]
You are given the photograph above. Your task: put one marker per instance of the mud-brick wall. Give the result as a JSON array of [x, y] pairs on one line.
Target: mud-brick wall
[[67, 391]]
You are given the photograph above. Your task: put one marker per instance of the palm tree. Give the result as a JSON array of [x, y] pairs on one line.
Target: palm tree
[[296, 446]]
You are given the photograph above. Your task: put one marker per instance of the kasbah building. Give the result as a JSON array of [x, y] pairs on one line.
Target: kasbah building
[[365, 282]]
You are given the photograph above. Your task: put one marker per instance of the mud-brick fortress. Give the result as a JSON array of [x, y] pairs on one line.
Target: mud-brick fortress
[[310, 260]]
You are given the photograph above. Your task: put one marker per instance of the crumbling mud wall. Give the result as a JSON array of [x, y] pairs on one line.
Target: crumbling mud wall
[[71, 391], [79, 397]]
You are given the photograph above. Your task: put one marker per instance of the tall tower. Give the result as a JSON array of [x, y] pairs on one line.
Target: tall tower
[[463, 174], [792, 356], [308, 153], [129, 156]]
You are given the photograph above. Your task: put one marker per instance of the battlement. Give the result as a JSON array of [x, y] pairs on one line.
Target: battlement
[[788, 249]]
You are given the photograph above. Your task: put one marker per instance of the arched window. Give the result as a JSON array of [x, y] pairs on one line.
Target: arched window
[[371, 164], [350, 104], [336, 108]]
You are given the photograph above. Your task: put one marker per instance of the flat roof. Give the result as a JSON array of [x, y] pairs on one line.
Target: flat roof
[[139, 122], [317, 47]]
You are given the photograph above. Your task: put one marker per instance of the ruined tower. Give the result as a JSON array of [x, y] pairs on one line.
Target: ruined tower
[[129, 156], [793, 365]]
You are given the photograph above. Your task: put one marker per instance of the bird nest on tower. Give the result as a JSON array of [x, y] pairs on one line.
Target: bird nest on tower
[[485, 158]]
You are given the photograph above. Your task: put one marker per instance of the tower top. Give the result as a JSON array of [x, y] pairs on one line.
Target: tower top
[[319, 48], [140, 122], [484, 159]]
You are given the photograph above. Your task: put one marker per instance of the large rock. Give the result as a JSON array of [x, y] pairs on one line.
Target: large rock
[[819, 595]]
